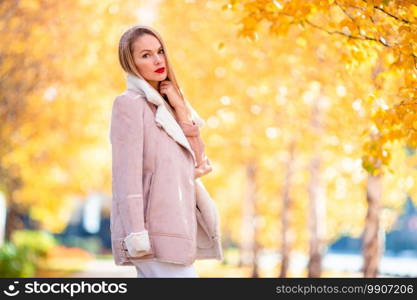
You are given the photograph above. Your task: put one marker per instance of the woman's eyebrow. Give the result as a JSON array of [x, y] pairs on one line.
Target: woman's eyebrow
[[149, 50]]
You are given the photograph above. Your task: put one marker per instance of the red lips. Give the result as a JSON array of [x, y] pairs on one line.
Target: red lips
[[160, 70]]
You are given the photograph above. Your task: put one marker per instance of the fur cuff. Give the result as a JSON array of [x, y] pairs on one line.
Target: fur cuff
[[138, 244]]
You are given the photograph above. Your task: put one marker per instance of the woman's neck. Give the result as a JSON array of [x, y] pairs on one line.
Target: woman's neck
[[154, 84]]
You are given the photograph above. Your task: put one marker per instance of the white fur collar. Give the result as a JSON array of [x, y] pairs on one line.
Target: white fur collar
[[163, 117]]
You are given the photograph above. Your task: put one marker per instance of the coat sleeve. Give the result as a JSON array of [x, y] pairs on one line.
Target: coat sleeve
[[192, 132], [126, 136]]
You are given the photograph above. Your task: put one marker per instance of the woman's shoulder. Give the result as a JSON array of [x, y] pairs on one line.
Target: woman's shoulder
[[129, 101]]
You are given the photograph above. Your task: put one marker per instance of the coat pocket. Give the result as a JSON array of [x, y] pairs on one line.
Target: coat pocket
[[204, 239], [148, 180]]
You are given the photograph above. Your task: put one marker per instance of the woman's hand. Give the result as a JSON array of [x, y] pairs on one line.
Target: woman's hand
[[167, 87], [203, 169]]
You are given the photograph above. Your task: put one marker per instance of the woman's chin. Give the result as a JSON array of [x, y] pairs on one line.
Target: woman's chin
[[161, 76]]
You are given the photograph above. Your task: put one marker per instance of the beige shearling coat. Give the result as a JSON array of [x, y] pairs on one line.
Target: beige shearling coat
[[159, 210]]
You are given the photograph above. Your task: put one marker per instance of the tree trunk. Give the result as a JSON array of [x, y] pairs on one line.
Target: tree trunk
[[317, 213], [249, 245], [13, 220], [285, 215], [247, 231], [372, 246], [13, 215], [316, 217], [252, 192]]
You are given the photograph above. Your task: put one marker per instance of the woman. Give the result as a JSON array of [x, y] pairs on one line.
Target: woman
[[162, 218]]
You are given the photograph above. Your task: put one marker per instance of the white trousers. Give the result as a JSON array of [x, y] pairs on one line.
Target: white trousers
[[155, 268]]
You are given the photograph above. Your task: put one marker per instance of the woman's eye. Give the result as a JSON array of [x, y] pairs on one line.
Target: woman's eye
[[148, 54]]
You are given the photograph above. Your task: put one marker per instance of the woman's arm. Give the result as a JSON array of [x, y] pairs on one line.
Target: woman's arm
[[127, 145]]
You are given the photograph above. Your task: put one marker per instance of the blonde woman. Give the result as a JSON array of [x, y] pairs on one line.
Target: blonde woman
[[162, 218]]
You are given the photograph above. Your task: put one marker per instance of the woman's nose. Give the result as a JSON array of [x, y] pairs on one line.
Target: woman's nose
[[158, 59]]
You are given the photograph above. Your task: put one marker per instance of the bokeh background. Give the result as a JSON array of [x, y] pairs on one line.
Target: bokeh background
[[311, 127]]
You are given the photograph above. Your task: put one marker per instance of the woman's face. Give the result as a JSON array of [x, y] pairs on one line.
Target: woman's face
[[149, 57]]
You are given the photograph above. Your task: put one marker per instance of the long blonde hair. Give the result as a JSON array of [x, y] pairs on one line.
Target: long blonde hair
[[126, 55]]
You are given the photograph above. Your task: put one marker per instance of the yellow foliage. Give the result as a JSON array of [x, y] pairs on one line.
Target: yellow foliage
[[337, 99]]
